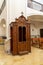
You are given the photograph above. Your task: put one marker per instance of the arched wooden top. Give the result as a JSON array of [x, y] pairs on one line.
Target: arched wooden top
[[21, 20], [22, 17]]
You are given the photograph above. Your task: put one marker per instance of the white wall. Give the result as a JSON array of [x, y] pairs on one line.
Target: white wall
[[14, 9], [30, 12], [3, 16], [35, 28], [2, 31]]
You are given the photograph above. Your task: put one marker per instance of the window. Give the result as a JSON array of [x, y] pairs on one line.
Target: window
[[35, 4], [22, 34]]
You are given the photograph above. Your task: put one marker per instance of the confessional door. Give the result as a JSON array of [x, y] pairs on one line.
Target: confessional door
[[13, 45], [22, 39]]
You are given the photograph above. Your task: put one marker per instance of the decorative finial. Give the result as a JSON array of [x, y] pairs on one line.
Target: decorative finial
[[22, 13]]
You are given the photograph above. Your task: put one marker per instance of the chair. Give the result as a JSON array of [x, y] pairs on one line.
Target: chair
[[35, 42], [41, 43]]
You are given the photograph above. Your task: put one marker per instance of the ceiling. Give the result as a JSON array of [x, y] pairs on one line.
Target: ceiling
[[36, 18]]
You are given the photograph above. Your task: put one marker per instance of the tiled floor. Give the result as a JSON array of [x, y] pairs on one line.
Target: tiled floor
[[33, 58]]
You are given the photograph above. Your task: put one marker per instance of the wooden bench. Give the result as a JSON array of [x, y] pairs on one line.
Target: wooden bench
[[41, 43], [35, 42], [1, 41]]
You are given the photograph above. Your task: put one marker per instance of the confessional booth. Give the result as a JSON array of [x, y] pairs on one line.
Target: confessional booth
[[20, 42]]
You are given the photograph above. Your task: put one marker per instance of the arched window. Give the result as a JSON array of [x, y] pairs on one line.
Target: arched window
[[22, 34]]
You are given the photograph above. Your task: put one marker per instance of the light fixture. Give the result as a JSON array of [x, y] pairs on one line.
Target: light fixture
[[4, 25]]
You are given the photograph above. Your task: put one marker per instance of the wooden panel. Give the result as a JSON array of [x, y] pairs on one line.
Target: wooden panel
[[15, 39], [23, 46], [41, 43], [28, 38], [11, 35], [14, 48]]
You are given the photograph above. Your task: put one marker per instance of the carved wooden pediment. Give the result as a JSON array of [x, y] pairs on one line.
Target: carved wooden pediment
[[21, 19]]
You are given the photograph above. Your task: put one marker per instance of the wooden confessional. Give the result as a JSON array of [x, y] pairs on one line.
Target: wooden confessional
[[20, 36]]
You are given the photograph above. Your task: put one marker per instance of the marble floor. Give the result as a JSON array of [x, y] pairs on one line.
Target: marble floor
[[33, 58]]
